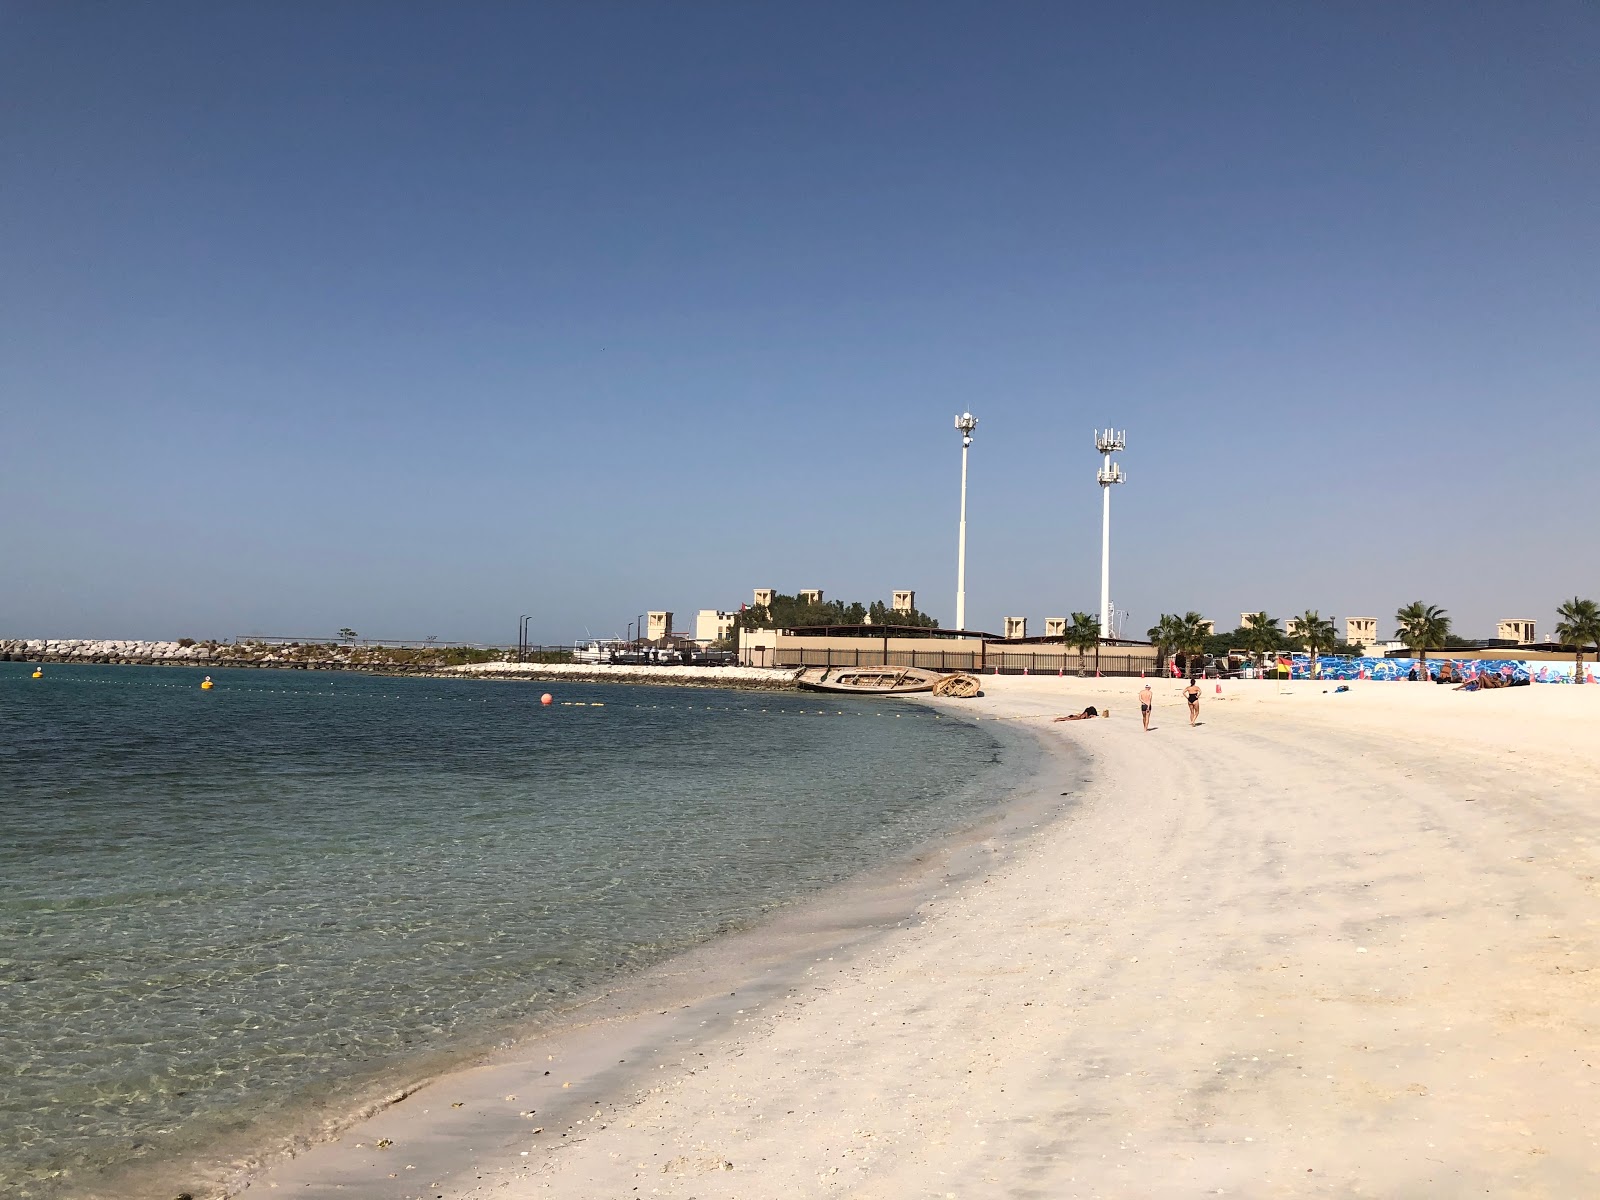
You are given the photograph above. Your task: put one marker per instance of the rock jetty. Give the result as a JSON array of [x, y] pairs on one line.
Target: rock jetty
[[187, 652]]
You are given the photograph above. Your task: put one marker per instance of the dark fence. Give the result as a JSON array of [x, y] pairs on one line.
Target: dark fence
[[1070, 663], [871, 656], [989, 662]]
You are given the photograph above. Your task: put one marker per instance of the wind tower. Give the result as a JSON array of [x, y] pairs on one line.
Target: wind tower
[[1108, 442]]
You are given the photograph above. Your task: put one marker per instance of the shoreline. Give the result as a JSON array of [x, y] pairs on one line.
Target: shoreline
[[1326, 944], [554, 1075], [736, 678], [745, 956]]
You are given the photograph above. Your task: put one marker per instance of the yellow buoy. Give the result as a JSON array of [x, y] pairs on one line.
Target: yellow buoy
[[38, 672], [206, 684]]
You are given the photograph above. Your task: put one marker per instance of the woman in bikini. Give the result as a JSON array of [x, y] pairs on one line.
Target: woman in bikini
[[1192, 695]]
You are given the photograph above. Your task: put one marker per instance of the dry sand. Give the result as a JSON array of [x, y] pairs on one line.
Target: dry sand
[[1322, 945]]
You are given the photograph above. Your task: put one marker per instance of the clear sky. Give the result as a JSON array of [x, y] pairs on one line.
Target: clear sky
[[415, 318]]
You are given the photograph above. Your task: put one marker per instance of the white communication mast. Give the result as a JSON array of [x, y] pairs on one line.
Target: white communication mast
[[1108, 442], [966, 423]]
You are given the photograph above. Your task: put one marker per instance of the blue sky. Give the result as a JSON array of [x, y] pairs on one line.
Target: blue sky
[[415, 318]]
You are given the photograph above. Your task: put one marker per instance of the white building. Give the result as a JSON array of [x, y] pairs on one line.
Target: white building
[[1515, 629], [712, 625], [1361, 632]]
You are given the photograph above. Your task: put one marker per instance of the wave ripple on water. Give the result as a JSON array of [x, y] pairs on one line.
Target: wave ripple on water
[[216, 906]]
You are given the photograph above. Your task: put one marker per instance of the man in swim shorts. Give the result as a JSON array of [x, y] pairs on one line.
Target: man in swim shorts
[[1146, 699]]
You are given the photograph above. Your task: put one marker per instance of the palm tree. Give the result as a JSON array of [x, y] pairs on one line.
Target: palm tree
[[1165, 635], [1315, 632], [1422, 627], [1261, 634], [1192, 632], [1579, 627], [1083, 634]]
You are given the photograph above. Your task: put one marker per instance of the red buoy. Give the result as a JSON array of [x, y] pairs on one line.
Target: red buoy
[[547, 698]]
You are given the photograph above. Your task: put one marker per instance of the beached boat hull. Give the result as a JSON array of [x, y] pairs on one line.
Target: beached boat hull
[[868, 681]]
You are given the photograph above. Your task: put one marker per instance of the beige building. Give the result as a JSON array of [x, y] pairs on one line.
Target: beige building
[[810, 595], [659, 625], [764, 597], [905, 602], [1210, 627], [1361, 631], [1016, 627], [712, 625], [789, 648], [1515, 629], [1055, 627]]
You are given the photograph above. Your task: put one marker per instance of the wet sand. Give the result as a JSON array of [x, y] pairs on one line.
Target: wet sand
[[1321, 945]]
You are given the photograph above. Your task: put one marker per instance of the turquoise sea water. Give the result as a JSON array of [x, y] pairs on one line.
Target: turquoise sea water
[[217, 907]]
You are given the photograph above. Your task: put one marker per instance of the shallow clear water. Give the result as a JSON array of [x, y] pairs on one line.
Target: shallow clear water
[[215, 906]]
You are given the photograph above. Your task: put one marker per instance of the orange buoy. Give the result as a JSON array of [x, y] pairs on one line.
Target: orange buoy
[[547, 699]]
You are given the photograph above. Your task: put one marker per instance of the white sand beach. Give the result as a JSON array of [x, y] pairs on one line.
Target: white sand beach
[[1325, 944]]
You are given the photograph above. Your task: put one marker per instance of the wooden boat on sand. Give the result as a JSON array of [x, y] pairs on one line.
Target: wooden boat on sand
[[868, 681]]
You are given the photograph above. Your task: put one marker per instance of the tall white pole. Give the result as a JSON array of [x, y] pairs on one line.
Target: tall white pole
[[1108, 442], [961, 550], [1105, 566], [966, 423]]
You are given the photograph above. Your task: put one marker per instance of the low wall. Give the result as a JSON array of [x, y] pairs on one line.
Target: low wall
[[1514, 669], [945, 654]]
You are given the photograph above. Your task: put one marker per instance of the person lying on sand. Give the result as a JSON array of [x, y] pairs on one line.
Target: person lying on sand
[[1091, 711]]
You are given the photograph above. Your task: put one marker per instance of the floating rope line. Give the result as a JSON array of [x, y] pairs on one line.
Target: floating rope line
[[65, 675]]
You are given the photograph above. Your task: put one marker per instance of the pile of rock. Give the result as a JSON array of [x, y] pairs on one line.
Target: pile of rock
[[110, 651], [299, 656], [186, 651]]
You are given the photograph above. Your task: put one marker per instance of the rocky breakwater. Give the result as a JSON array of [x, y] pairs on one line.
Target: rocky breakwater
[[99, 650], [183, 652]]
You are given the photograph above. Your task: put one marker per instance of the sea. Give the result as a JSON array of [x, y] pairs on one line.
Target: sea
[[220, 908]]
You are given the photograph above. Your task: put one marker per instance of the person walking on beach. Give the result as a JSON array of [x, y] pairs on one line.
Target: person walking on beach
[[1192, 695], [1146, 699]]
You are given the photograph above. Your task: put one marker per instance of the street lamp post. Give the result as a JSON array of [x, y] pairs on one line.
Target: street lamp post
[[522, 636], [1108, 442], [966, 423]]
